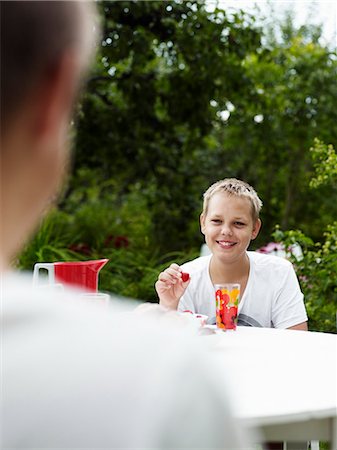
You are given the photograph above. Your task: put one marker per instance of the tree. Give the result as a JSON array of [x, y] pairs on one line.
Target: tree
[[149, 107], [181, 97], [270, 130]]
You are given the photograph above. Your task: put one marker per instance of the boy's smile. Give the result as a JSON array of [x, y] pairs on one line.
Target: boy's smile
[[228, 226], [226, 244]]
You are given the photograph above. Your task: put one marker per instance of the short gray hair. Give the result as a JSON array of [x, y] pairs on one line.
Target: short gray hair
[[33, 36]]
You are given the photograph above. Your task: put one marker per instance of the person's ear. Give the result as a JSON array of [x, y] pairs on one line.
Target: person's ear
[[55, 96], [256, 228], [202, 223]]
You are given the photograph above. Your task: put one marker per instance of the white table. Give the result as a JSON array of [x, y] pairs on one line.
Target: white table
[[281, 381]]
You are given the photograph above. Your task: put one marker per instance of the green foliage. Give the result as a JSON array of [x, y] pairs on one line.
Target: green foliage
[[147, 114], [178, 98], [325, 164], [318, 268], [133, 273], [93, 225], [49, 244], [181, 96], [291, 101], [317, 275]]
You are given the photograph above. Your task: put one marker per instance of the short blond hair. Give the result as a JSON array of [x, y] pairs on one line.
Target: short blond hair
[[233, 186]]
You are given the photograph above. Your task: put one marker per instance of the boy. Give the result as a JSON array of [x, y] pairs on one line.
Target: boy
[[74, 376], [270, 292]]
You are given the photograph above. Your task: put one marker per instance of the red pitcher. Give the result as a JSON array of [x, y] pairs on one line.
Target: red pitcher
[[83, 274]]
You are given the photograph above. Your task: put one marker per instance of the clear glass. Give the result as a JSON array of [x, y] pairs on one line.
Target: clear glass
[[227, 297]]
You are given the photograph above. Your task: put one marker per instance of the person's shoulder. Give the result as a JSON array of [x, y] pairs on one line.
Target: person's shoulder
[[56, 305], [271, 261], [66, 313], [196, 265]]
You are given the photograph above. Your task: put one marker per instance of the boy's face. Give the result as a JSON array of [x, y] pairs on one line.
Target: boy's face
[[228, 226]]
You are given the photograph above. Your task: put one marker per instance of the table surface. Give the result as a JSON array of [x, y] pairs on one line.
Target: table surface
[[278, 376]]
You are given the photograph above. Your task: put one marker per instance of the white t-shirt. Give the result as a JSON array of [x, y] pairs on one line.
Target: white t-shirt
[[272, 298], [78, 375]]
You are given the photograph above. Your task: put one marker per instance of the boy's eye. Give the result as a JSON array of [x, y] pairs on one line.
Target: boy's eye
[[216, 220], [240, 224]]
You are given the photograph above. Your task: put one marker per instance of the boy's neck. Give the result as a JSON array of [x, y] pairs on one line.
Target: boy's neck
[[235, 272]]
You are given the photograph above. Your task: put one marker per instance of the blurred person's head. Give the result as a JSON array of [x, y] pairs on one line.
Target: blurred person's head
[[45, 47]]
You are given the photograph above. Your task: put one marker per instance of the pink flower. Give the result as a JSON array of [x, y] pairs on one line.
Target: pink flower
[[277, 249], [271, 247]]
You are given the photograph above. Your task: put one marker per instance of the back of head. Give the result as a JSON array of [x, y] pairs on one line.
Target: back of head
[[235, 187], [33, 36], [45, 49]]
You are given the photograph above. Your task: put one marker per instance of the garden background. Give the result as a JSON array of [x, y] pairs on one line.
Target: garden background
[[179, 97]]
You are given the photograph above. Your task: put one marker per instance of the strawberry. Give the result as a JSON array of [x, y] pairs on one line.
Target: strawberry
[[185, 276]]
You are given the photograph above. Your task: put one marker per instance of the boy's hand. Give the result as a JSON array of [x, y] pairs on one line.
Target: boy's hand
[[171, 285]]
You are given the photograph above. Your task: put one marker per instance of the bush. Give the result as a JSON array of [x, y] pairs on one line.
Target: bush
[[316, 271], [93, 224], [49, 244], [317, 268]]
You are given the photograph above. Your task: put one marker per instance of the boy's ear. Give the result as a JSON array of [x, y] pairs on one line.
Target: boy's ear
[[202, 223], [256, 228], [55, 97]]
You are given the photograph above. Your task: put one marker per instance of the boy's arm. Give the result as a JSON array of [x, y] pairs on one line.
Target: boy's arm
[[289, 309], [301, 326]]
